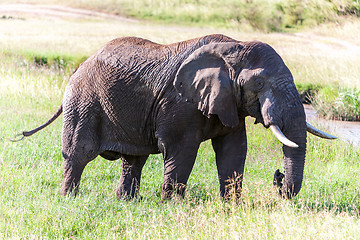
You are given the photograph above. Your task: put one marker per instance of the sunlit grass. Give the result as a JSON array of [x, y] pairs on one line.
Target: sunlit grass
[[326, 65], [31, 174], [312, 58], [279, 15]]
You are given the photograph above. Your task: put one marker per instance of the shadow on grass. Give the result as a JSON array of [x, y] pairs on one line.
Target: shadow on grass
[[200, 194]]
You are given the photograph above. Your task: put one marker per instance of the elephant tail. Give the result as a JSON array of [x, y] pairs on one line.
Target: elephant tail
[[29, 133]]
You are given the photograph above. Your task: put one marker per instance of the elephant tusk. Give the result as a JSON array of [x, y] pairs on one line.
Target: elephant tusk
[[318, 133], [281, 137]]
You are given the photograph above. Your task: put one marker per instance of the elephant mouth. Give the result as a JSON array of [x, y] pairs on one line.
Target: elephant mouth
[[254, 111], [259, 120]]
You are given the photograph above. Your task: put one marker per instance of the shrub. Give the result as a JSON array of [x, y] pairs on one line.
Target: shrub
[[261, 15], [57, 62], [338, 104]]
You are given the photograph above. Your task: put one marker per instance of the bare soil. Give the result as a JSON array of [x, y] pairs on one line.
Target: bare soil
[[22, 11], [329, 45], [19, 10]]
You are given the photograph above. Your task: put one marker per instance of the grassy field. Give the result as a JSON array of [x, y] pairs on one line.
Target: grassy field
[[263, 15], [269, 16], [328, 206], [316, 57]]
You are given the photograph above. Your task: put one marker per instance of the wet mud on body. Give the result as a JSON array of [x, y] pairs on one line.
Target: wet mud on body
[[344, 130]]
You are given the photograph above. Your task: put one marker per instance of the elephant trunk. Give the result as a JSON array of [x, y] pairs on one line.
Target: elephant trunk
[[294, 157], [291, 123], [294, 160]]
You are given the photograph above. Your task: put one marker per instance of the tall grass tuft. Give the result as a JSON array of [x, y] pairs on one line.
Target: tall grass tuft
[[338, 104]]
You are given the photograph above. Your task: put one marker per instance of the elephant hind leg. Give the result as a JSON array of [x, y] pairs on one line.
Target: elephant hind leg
[[130, 177], [77, 154], [72, 176], [80, 145]]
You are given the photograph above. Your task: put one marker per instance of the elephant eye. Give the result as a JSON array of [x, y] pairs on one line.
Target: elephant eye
[[258, 84]]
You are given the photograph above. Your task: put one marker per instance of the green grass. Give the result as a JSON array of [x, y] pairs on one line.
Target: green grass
[[332, 101], [338, 103], [31, 174], [328, 206]]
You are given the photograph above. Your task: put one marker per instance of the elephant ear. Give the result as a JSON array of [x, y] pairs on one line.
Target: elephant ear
[[203, 79]]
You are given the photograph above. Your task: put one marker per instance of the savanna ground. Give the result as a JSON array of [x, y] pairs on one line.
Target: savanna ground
[[38, 53]]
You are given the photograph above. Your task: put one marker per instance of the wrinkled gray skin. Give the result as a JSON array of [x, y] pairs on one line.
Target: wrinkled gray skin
[[134, 97]]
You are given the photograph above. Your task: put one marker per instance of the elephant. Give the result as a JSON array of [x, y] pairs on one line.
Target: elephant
[[134, 97]]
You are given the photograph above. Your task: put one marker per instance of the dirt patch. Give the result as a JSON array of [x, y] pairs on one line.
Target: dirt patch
[[329, 45], [19, 11]]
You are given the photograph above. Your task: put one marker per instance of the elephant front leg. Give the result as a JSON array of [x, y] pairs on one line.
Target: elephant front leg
[[179, 160], [230, 160], [130, 177]]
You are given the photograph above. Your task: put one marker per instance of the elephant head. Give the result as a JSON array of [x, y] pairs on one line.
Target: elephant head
[[233, 80]]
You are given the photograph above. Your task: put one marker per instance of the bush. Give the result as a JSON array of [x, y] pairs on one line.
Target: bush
[[57, 62], [261, 15], [338, 104]]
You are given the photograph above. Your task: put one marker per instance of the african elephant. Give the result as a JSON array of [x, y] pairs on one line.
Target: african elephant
[[134, 97]]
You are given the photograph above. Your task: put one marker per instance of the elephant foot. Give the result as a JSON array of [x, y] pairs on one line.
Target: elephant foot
[[72, 177], [127, 191], [232, 189], [127, 197], [278, 177], [168, 191], [69, 189], [122, 194]]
